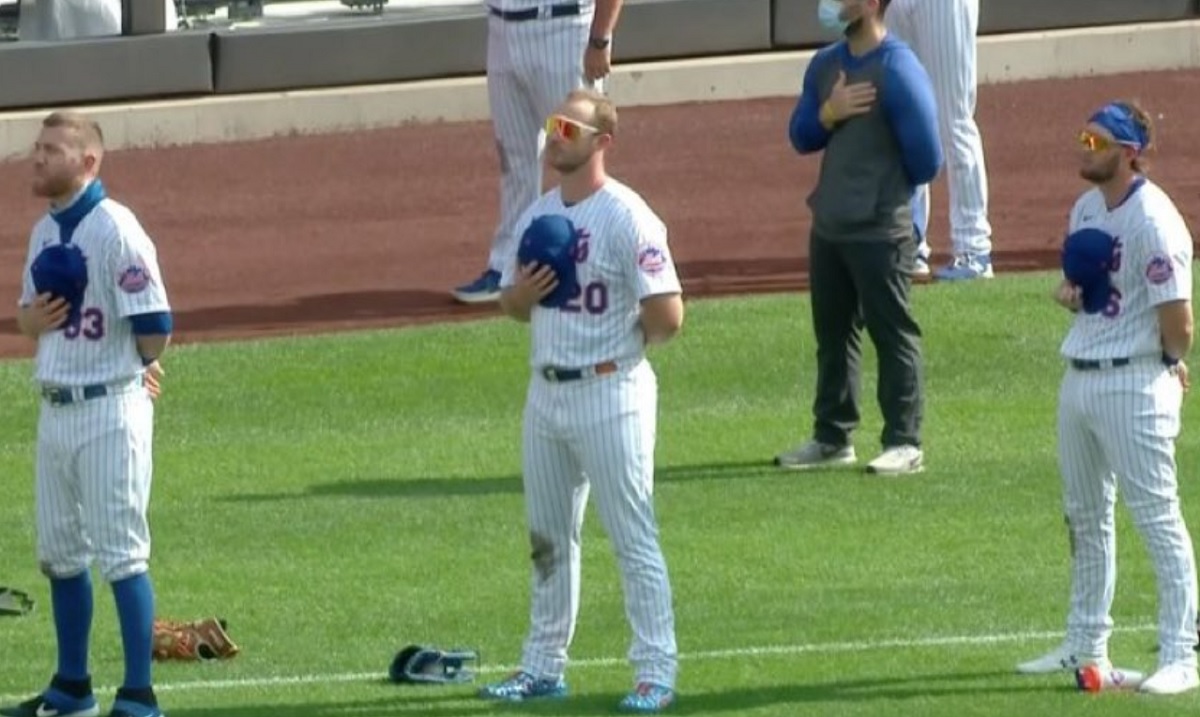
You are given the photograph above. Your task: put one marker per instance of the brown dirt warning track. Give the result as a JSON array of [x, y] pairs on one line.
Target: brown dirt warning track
[[305, 234]]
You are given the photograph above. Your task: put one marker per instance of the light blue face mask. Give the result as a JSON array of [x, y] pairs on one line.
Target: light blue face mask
[[829, 13]]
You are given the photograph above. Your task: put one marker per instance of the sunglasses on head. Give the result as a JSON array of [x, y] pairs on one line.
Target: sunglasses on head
[[568, 128]]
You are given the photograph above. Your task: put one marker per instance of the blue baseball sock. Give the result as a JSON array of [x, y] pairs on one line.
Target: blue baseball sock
[[71, 600], [135, 611]]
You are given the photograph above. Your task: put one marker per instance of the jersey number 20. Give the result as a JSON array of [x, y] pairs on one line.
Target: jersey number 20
[[592, 298]]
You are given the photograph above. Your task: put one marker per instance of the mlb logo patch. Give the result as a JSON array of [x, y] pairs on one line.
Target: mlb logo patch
[[133, 280], [652, 260], [1159, 270]]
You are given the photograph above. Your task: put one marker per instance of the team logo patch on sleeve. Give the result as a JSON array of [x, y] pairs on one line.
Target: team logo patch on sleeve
[[652, 260], [134, 279], [1159, 270]]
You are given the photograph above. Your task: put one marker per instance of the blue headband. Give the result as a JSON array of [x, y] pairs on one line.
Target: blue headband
[[1121, 124]]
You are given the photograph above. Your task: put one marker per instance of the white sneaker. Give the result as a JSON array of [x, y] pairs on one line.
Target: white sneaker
[[920, 266], [815, 454], [1172, 679], [898, 460], [1060, 659]]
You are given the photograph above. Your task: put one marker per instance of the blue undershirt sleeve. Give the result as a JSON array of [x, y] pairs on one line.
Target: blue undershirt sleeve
[[805, 129], [157, 323], [911, 110]]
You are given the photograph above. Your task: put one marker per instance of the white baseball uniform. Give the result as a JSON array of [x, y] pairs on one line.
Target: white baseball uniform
[[1117, 425], [532, 65], [597, 432], [942, 33], [94, 453]]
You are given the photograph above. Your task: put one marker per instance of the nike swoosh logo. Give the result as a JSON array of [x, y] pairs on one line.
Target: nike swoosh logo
[[44, 711]]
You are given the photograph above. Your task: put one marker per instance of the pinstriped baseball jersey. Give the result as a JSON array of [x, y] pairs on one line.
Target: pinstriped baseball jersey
[[1117, 426], [123, 280], [1154, 266], [622, 257], [94, 465], [596, 434]]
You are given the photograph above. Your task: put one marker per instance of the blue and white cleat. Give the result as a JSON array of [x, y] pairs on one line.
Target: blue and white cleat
[[480, 291], [966, 267], [54, 703], [648, 698], [522, 686]]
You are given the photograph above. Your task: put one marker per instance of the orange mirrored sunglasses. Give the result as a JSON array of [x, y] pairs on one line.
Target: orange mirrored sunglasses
[[568, 128], [1095, 143]]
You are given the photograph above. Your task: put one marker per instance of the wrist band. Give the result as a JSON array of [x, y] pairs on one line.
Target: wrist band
[[826, 114], [1169, 360]]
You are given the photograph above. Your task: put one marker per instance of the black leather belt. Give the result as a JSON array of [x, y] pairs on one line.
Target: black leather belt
[[1097, 364], [555, 374], [533, 13], [61, 396]]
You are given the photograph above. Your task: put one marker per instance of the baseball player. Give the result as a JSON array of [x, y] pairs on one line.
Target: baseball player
[[538, 51], [591, 408], [942, 33], [1120, 400], [94, 435]]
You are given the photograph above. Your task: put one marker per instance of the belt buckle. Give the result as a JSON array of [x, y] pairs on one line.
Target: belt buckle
[[545, 12], [549, 374], [58, 396]]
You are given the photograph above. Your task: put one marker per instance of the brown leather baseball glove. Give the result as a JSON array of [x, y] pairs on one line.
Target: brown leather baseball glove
[[198, 640]]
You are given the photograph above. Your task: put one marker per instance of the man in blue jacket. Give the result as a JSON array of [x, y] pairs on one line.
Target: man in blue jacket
[[869, 105]]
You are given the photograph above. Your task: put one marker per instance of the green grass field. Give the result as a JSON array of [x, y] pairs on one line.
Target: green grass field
[[338, 497]]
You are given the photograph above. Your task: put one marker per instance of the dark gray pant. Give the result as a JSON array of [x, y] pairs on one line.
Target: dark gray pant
[[856, 283]]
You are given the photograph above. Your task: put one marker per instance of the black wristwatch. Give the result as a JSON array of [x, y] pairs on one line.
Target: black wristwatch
[[600, 43], [1169, 360]]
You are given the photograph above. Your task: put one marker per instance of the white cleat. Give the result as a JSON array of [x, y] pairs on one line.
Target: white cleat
[[1060, 659], [898, 460], [814, 454], [1172, 679]]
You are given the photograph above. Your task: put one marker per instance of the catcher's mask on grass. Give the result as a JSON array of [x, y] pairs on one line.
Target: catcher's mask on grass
[[551, 240], [1088, 255], [429, 665]]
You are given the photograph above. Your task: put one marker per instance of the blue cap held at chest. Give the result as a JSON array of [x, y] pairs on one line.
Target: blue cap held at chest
[[1088, 256], [551, 240], [1121, 123]]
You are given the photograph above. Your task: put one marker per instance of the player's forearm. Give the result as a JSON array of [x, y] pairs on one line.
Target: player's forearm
[[151, 346], [604, 22], [512, 305], [661, 318], [1175, 328], [25, 322]]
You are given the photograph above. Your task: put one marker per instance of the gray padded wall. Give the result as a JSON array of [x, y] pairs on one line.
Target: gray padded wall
[[796, 20], [1017, 15], [350, 53], [653, 29], [42, 74]]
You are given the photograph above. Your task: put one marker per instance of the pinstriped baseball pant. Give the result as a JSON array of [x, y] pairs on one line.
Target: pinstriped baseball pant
[[596, 435], [1116, 430], [93, 485]]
